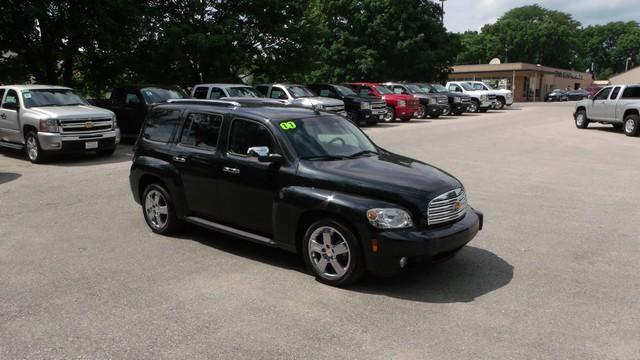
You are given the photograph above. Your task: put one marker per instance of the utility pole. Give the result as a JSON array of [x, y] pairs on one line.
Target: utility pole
[[442, 12]]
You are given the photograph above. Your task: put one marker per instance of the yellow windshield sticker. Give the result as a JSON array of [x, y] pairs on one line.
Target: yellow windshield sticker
[[288, 125]]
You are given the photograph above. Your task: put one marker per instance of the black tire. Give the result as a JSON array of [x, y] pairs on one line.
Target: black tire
[[34, 152], [474, 106], [446, 111], [105, 153], [581, 120], [632, 125], [390, 115], [500, 104], [483, 110], [422, 113], [354, 268], [171, 223]]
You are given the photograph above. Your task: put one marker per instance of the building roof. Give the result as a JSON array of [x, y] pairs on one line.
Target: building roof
[[627, 77], [518, 66]]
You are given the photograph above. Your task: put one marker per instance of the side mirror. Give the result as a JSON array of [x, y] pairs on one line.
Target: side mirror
[[271, 158], [11, 106], [258, 151]]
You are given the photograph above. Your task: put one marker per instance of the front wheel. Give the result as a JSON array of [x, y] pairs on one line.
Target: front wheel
[[390, 115], [632, 125], [446, 111], [473, 107], [33, 149], [332, 252], [581, 119], [422, 112], [500, 104]]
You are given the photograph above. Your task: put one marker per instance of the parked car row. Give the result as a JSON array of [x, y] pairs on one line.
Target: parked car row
[[617, 105], [46, 119], [567, 95]]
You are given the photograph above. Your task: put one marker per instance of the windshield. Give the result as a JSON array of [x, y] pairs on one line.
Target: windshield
[[466, 86], [51, 97], [383, 90], [243, 91], [344, 91], [153, 95], [298, 91], [416, 89], [439, 88], [326, 138]]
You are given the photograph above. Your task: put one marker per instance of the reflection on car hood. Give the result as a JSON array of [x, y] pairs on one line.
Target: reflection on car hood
[[320, 100], [387, 176], [72, 112]]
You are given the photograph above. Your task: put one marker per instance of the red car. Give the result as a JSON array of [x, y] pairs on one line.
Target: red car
[[398, 105]]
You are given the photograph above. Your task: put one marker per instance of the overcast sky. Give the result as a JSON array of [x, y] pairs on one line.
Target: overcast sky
[[462, 15]]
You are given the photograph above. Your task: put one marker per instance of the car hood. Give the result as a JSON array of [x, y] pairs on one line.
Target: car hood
[[72, 112], [387, 176], [361, 99], [319, 100], [398, 97], [501, 91]]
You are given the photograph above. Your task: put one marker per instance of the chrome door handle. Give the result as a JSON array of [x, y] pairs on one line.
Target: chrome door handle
[[231, 170], [180, 159]]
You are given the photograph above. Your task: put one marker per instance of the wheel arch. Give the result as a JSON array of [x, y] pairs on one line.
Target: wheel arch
[[628, 112], [26, 128]]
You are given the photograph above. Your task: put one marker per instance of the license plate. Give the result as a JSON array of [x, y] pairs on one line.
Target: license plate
[[91, 145]]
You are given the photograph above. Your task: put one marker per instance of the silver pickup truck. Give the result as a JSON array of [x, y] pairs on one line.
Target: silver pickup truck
[[300, 95], [45, 119], [618, 105]]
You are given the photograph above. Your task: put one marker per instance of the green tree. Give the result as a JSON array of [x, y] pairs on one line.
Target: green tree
[[378, 40], [609, 46]]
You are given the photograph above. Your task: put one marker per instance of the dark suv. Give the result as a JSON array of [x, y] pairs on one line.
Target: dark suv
[[304, 180], [359, 109]]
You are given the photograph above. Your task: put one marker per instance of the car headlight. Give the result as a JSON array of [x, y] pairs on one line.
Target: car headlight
[[402, 103], [389, 218], [49, 125], [509, 95], [365, 106]]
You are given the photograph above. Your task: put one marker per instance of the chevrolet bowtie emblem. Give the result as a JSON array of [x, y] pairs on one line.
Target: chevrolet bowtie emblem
[[88, 125]]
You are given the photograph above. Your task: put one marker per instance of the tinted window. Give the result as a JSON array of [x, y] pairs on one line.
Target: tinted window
[[631, 93], [327, 92], [216, 93], [132, 98], [278, 93], [201, 130], [245, 134], [154, 95], [614, 93], [398, 89], [200, 92], [243, 91], [603, 94], [51, 97], [12, 98], [161, 124], [454, 88], [263, 89]]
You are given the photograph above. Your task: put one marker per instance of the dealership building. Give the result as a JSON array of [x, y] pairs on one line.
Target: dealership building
[[528, 82]]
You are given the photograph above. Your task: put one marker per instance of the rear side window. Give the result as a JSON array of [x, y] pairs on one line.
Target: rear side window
[[12, 98], [201, 130], [216, 93], [246, 134], [278, 93], [603, 94], [200, 92], [631, 93], [263, 89], [161, 124]]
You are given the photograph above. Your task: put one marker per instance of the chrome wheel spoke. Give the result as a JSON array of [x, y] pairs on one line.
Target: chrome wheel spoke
[[326, 237], [322, 264], [322, 252], [340, 249], [339, 270], [315, 247], [162, 210]]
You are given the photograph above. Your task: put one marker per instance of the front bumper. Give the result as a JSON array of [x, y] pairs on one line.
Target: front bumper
[[436, 109], [406, 112], [459, 107], [78, 143], [419, 244], [372, 115], [487, 104], [509, 100]]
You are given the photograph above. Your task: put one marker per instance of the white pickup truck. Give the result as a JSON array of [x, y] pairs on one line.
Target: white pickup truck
[[503, 96], [618, 105], [481, 100], [46, 119]]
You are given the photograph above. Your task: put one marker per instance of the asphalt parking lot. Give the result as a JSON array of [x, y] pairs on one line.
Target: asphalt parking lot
[[554, 274]]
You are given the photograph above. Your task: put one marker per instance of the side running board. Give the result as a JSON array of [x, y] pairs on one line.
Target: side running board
[[11, 145], [230, 230]]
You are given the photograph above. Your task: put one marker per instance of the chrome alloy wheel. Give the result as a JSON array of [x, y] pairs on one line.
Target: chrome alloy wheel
[[447, 111], [389, 115], [156, 209], [329, 252], [32, 148], [421, 113], [580, 119], [629, 126], [473, 107]]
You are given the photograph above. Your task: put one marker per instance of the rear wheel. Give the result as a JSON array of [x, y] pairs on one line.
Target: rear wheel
[[332, 252], [581, 119], [632, 125], [159, 211], [33, 149]]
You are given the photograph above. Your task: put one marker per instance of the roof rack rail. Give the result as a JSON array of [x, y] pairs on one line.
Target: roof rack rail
[[205, 102]]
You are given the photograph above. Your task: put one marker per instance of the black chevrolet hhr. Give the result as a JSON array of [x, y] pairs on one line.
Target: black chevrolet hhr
[[304, 180]]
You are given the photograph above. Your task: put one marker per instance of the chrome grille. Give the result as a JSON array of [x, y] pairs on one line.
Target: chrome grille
[[85, 125], [378, 105], [334, 108], [443, 100], [447, 207], [466, 99], [492, 97]]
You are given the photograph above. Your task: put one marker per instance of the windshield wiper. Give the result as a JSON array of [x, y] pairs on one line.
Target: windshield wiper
[[363, 152], [323, 157]]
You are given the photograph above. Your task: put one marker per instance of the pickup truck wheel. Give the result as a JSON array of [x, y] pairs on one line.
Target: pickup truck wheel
[[474, 106], [332, 252], [33, 149], [500, 104], [422, 112], [158, 210], [390, 115], [632, 125], [446, 111], [581, 119], [106, 152]]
